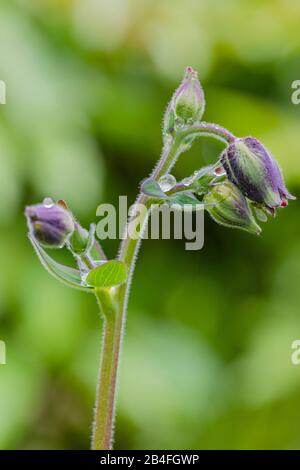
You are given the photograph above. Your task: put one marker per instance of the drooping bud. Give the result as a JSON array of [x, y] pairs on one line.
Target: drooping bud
[[188, 102], [50, 223], [227, 206], [255, 172]]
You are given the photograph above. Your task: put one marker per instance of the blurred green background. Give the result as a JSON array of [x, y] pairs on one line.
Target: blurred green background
[[207, 354]]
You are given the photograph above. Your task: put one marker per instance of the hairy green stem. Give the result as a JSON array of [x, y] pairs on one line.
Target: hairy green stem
[[105, 401], [209, 130], [115, 314]]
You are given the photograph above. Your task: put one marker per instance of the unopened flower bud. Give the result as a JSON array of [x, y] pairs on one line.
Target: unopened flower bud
[[79, 239], [50, 223], [189, 99], [227, 206], [188, 102], [255, 172]]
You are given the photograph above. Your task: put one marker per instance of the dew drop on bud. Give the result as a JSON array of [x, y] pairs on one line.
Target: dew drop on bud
[[167, 182], [48, 202]]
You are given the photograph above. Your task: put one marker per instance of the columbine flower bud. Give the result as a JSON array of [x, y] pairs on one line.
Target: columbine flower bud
[[79, 239], [51, 224], [187, 103], [255, 172], [227, 206], [188, 100]]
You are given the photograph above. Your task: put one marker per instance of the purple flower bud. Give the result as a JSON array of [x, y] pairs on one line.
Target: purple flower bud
[[255, 172], [50, 223], [227, 206]]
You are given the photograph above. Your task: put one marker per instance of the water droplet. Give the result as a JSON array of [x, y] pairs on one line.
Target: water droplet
[[167, 182], [48, 202]]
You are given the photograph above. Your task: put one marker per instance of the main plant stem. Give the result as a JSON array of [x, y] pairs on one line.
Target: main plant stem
[[105, 401], [113, 305]]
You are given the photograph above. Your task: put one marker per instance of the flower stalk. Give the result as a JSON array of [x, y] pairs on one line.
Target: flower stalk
[[106, 390], [114, 324]]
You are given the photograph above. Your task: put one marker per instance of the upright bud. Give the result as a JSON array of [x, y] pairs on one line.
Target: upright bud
[[188, 102], [50, 223], [79, 239], [255, 172], [227, 206]]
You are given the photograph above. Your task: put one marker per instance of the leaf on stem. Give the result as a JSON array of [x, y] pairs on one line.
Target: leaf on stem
[[108, 274], [151, 188]]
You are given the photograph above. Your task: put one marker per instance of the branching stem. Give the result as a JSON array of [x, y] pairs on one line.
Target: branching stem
[[114, 307]]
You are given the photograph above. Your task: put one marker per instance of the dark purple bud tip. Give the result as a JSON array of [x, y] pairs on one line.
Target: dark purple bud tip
[[50, 223], [251, 167]]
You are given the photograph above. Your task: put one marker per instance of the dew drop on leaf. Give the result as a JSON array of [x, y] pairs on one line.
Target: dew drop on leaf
[[167, 182]]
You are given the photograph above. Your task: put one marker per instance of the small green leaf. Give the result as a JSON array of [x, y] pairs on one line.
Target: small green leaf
[[109, 274], [184, 198], [69, 276], [151, 188]]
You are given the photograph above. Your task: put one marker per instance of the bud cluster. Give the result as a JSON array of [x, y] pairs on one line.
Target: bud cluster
[[253, 181], [253, 177], [246, 180]]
